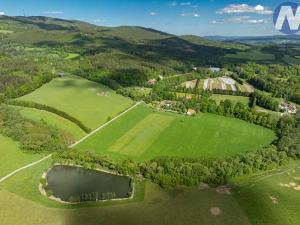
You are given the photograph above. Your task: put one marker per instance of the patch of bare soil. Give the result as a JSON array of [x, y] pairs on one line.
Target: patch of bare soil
[[274, 199], [203, 186], [224, 189], [102, 94], [291, 185], [215, 211]]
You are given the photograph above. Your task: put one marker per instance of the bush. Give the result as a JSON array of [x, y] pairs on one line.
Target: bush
[[33, 136]]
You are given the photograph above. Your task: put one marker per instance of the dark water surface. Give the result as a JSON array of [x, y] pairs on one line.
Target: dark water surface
[[75, 184]]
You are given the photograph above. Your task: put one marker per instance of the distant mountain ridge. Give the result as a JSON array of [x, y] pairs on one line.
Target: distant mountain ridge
[[275, 39]]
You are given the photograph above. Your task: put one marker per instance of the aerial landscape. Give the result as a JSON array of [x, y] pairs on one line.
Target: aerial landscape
[[149, 112]]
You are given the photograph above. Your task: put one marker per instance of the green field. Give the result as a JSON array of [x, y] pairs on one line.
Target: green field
[[53, 120], [12, 157], [144, 134], [234, 99], [156, 207], [87, 101], [72, 56], [6, 31], [271, 198], [251, 55]]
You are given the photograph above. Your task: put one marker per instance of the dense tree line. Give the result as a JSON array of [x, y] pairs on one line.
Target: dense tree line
[[204, 104], [264, 100], [173, 171], [170, 172], [288, 129], [37, 81], [281, 81], [229, 92], [32, 136], [49, 109]]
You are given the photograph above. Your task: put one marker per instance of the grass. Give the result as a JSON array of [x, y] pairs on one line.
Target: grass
[[53, 120], [12, 157], [254, 55], [275, 115], [156, 206], [143, 134], [6, 31], [234, 99], [267, 201], [89, 102], [72, 56]]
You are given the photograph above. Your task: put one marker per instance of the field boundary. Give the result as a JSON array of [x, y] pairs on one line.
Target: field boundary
[[33, 105], [71, 146], [24, 167], [104, 125]]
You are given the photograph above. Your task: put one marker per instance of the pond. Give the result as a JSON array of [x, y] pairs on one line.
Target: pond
[[76, 184]]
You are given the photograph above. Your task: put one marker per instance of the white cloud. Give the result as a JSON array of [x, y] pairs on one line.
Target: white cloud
[[153, 13], [2, 14], [184, 14], [54, 12], [173, 4], [244, 8], [245, 20], [216, 22], [98, 20], [239, 20], [185, 3]]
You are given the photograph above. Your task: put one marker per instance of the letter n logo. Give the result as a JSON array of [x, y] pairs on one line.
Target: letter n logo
[[286, 18]]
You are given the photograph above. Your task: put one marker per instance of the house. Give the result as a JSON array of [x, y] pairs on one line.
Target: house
[[288, 107], [215, 69], [61, 74], [152, 81], [166, 103], [188, 97], [191, 112]]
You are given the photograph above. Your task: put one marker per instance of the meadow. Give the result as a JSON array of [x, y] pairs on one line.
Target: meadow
[[235, 99], [153, 205], [91, 103], [143, 134], [53, 120], [12, 157], [256, 55], [271, 198]]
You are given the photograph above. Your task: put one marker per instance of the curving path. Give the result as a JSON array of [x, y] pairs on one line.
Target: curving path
[[71, 146]]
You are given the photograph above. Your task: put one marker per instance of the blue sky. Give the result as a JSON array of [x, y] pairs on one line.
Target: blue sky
[[199, 17]]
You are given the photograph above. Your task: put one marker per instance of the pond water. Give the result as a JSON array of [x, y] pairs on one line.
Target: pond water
[[76, 184]]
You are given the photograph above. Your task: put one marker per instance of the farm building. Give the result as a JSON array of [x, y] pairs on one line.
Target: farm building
[[166, 103], [288, 107], [188, 97], [152, 81], [215, 69], [191, 112]]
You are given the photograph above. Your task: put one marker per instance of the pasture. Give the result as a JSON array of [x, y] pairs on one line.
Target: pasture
[[233, 98], [143, 134], [91, 103], [12, 157], [271, 198], [153, 205], [53, 120], [253, 55]]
